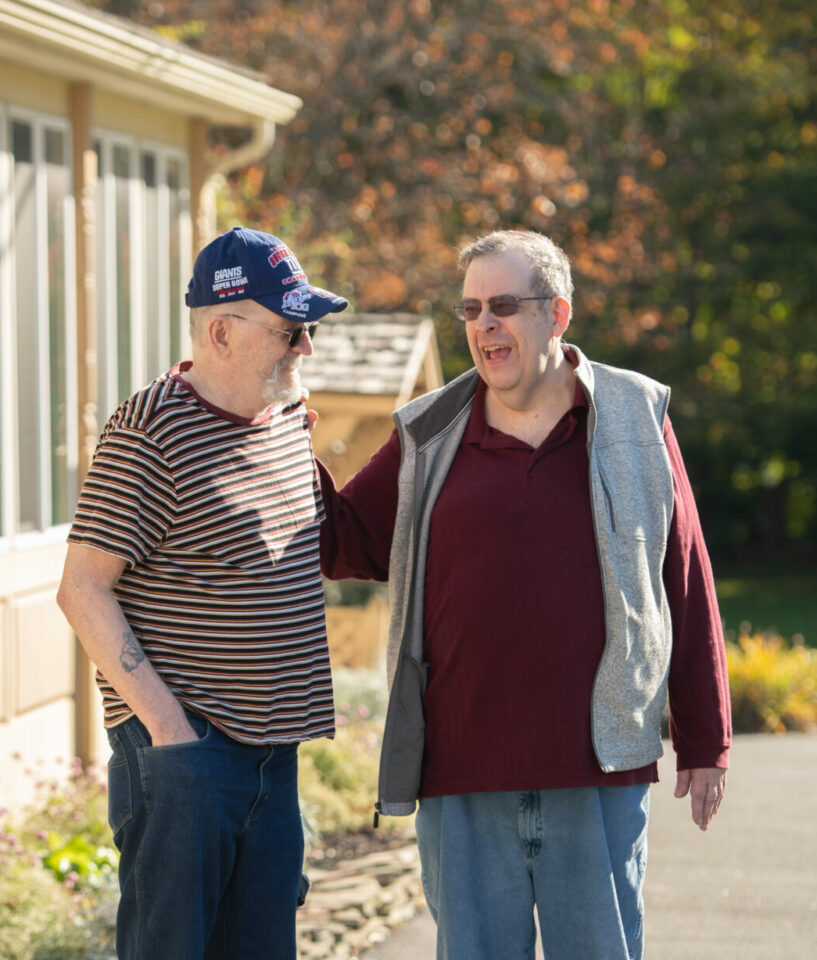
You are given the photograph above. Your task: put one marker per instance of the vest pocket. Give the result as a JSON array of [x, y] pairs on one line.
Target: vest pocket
[[608, 499], [636, 504]]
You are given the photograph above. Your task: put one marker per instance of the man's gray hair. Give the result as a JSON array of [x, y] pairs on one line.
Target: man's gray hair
[[199, 317], [549, 263]]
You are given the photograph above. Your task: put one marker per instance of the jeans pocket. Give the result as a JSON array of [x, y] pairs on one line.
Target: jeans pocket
[[120, 802], [201, 727]]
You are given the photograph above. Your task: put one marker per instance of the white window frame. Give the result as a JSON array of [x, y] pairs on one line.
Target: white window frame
[[47, 531], [8, 354], [140, 372]]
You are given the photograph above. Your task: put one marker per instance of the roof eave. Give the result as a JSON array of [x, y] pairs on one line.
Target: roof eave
[[83, 45]]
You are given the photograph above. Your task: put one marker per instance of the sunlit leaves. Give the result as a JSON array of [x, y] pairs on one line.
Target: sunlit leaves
[[668, 145]]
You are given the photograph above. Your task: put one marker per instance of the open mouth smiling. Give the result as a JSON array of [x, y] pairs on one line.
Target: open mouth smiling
[[495, 351]]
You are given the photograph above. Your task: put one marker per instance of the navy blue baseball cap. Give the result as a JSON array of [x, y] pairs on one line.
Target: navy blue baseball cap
[[246, 264]]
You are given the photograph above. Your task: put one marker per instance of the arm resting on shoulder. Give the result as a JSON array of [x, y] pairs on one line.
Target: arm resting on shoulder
[[87, 599], [357, 532]]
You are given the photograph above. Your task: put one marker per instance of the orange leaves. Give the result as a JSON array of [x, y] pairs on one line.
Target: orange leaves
[[638, 40], [808, 134], [543, 205], [430, 166], [384, 290], [543, 162], [575, 192], [477, 42], [254, 179], [630, 189], [470, 213], [608, 52]]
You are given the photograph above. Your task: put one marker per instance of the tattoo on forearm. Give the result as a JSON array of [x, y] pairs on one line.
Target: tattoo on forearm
[[132, 654]]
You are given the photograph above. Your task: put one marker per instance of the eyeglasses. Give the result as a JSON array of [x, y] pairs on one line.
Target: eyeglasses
[[502, 306], [293, 336]]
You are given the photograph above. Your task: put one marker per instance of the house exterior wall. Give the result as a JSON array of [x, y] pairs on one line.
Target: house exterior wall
[[106, 192], [139, 120], [32, 90], [93, 264]]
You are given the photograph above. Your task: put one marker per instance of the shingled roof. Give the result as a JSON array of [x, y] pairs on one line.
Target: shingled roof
[[374, 354]]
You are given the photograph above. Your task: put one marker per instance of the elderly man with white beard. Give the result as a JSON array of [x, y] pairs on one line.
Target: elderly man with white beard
[[193, 581]]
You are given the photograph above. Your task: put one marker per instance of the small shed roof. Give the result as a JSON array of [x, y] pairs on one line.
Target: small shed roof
[[375, 354]]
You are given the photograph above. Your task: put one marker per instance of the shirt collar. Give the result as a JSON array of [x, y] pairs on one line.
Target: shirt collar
[[480, 433]]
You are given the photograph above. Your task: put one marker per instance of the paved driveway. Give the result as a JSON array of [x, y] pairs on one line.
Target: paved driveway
[[744, 890]]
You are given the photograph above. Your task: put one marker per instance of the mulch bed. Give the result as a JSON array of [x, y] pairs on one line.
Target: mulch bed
[[332, 850]]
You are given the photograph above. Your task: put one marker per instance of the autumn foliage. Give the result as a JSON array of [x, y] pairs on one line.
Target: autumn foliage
[[670, 146]]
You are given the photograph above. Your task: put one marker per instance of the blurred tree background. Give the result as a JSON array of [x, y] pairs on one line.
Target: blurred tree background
[[670, 146]]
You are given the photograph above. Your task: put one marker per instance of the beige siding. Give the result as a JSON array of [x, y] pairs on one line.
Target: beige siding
[[139, 120], [33, 90], [104, 78], [45, 651], [35, 746], [5, 669]]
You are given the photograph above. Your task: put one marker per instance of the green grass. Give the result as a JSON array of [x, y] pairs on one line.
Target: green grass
[[785, 604]]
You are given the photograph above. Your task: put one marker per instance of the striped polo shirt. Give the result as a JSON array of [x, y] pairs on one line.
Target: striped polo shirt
[[218, 520]]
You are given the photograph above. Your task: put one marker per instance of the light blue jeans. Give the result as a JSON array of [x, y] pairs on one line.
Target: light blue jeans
[[577, 855]]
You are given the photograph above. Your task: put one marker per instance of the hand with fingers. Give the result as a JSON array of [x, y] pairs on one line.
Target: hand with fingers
[[705, 786]]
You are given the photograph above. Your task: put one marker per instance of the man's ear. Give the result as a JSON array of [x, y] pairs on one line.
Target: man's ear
[[561, 316], [219, 332]]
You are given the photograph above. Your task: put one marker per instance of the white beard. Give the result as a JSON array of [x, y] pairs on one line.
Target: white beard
[[283, 386]]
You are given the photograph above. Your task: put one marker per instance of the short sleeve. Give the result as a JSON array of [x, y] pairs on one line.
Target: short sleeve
[[128, 497]]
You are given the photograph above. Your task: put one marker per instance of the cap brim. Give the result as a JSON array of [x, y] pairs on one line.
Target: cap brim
[[303, 304]]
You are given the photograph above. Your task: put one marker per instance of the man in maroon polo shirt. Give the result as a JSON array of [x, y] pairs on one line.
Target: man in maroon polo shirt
[[549, 584]]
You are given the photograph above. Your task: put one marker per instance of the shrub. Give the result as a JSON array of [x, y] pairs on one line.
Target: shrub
[[67, 828], [773, 684], [338, 779], [42, 919], [58, 872]]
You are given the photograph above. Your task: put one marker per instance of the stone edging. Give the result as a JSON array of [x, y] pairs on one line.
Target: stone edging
[[358, 904]]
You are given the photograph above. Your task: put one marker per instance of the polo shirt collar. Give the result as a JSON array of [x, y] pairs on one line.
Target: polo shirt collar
[[478, 431]]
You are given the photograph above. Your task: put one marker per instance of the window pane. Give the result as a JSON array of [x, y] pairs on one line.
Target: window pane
[[174, 253], [55, 147], [25, 283], [153, 244], [104, 325], [122, 242], [22, 142], [149, 169], [58, 187]]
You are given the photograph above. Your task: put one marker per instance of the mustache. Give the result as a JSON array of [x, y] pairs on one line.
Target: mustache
[[289, 362]]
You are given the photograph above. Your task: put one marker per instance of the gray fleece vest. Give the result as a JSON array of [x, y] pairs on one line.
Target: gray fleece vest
[[632, 501]]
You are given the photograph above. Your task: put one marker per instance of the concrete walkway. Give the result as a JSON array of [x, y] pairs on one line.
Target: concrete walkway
[[744, 890]]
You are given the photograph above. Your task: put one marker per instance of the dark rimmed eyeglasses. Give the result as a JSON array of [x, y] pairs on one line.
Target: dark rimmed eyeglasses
[[505, 305], [293, 336]]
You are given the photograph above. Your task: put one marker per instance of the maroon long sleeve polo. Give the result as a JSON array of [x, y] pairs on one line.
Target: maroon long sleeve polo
[[514, 616]]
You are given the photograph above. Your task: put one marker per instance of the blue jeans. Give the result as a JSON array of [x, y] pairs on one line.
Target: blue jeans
[[211, 846], [578, 855]]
